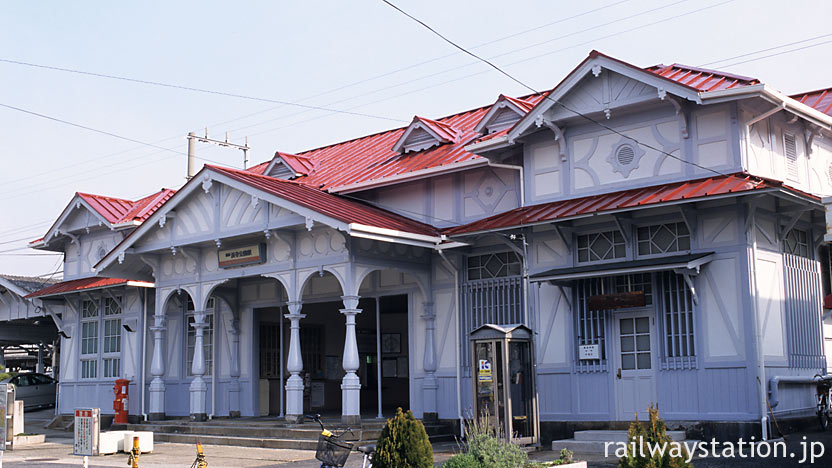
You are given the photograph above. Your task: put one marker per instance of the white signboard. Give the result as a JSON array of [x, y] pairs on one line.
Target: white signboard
[[87, 428], [592, 351], [4, 388]]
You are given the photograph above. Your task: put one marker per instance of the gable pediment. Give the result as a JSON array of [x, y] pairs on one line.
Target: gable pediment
[[599, 86], [424, 133], [504, 113]]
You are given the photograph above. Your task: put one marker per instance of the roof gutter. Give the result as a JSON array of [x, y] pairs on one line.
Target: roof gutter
[[138, 284], [392, 235], [413, 175], [488, 145], [775, 97]]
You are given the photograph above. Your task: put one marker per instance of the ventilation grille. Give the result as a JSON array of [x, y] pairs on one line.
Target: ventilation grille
[[790, 149], [625, 155]]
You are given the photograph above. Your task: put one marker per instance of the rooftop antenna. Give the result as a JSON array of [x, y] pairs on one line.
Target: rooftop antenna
[[192, 139]]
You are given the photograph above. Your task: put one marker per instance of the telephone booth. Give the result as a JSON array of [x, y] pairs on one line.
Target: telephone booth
[[504, 384]]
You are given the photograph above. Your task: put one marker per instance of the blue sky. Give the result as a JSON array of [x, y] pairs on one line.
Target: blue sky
[[360, 56]]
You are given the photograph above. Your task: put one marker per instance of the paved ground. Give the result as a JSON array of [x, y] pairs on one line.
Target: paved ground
[[57, 453]]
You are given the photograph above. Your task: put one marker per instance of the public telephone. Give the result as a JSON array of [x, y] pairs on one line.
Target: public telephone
[[504, 392]]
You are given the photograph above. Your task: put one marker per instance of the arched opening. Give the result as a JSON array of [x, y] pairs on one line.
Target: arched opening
[[322, 336], [271, 342], [386, 345]]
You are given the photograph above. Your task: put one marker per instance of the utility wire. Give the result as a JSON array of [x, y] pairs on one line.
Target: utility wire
[[778, 53], [548, 96], [198, 90], [765, 50], [103, 132]]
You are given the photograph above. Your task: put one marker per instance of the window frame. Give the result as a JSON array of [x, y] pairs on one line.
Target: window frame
[[636, 240], [89, 321], [616, 232]]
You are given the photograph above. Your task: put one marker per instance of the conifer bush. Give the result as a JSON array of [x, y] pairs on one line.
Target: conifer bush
[[403, 443], [654, 434]]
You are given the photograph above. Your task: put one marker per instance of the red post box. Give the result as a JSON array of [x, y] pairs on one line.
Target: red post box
[[120, 402]]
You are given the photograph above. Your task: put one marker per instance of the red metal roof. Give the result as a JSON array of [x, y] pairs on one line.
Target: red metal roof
[[333, 206], [143, 208], [299, 164], [372, 157], [702, 79], [111, 208], [65, 287], [446, 132], [820, 100], [632, 198], [119, 210]]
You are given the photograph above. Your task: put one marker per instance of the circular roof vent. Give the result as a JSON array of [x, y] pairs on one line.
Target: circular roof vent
[[625, 155]]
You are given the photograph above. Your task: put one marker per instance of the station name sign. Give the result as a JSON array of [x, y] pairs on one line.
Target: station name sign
[[616, 301], [244, 255]]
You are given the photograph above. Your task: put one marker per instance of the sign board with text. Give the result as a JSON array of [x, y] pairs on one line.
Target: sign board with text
[[87, 430], [592, 351], [239, 256]]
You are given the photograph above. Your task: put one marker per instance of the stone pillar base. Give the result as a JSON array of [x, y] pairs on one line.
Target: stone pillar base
[[233, 414], [351, 419], [430, 417], [294, 418], [199, 417], [156, 416]]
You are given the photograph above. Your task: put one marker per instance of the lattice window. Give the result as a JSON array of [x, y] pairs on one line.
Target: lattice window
[[636, 282], [601, 246], [790, 151], [492, 293], [590, 325], [312, 349], [494, 265], [89, 340], [677, 322], [796, 242], [804, 298], [663, 238]]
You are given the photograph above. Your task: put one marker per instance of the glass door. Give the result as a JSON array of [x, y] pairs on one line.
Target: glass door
[[488, 386]]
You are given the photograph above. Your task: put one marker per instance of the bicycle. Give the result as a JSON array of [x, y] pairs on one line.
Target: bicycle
[[824, 395], [333, 450]]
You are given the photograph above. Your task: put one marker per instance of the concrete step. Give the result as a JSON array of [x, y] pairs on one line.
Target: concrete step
[[594, 447], [265, 434], [617, 436]]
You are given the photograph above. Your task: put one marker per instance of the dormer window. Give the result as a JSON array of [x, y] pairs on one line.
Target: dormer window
[[504, 113], [424, 133], [288, 166]]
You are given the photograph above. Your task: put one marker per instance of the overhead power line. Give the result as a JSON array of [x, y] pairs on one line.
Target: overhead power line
[[547, 97], [194, 89]]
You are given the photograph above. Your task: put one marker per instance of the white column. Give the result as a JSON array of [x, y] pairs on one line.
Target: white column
[[351, 384], [234, 369], [199, 389], [430, 385], [294, 385], [157, 370], [39, 367]]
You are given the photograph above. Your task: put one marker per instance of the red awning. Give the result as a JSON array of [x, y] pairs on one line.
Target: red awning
[[657, 194], [86, 284]]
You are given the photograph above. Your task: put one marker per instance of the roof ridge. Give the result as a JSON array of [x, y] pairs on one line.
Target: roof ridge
[[438, 119]]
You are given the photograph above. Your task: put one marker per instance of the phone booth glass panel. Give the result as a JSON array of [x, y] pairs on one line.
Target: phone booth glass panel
[[504, 390]]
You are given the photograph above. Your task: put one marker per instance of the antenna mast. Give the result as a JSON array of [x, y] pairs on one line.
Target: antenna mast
[[192, 139]]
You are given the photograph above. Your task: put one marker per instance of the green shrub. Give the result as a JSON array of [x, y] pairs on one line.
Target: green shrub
[[6, 375], [654, 434], [403, 444], [463, 460], [489, 446]]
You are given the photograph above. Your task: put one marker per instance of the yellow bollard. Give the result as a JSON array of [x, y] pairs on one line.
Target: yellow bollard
[[133, 460], [200, 461]]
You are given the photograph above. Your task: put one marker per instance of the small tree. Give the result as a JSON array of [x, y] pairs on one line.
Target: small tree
[[655, 434], [403, 443]]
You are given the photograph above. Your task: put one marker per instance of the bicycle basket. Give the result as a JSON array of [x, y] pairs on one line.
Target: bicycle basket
[[332, 450]]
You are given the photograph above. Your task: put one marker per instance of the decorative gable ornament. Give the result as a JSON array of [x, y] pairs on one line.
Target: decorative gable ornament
[[625, 156], [504, 113], [424, 133]]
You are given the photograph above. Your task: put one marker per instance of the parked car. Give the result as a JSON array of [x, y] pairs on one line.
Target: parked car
[[36, 390]]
